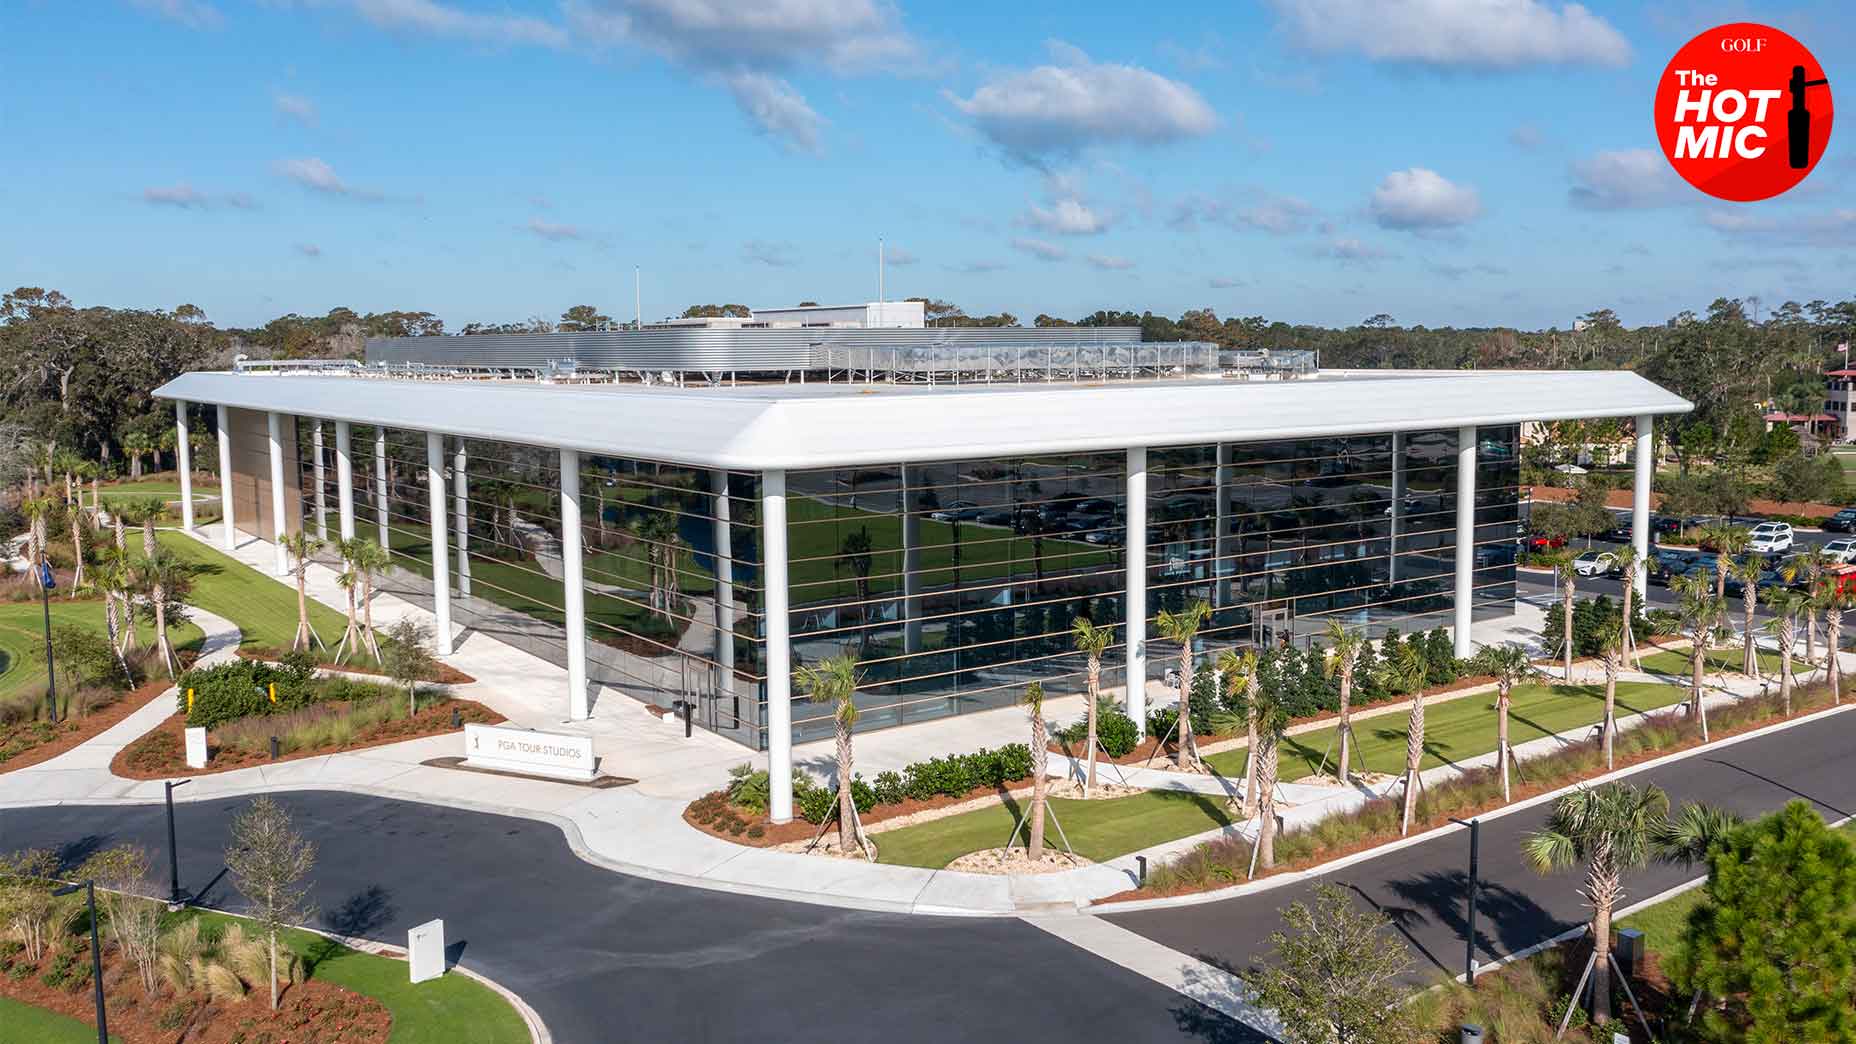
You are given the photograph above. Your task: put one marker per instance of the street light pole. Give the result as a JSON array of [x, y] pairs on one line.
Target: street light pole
[[46, 583], [96, 955], [175, 898], [1475, 885]]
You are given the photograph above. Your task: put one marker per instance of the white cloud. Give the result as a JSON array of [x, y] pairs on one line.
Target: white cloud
[[897, 257], [1350, 251], [440, 19], [183, 195], [776, 109], [848, 36], [1260, 210], [771, 254], [1060, 108], [314, 174], [1040, 249], [1487, 34], [295, 107], [196, 14], [1831, 228], [1110, 262], [1067, 217], [1622, 179], [309, 250], [1419, 199], [551, 231], [1224, 282]]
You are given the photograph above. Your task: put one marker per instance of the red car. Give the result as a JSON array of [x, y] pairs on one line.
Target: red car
[[1536, 543]]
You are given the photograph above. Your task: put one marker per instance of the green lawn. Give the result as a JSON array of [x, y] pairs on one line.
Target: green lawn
[[454, 1009], [263, 608], [1676, 662], [166, 488], [1098, 830], [22, 637], [1662, 923], [21, 1023], [1461, 728]]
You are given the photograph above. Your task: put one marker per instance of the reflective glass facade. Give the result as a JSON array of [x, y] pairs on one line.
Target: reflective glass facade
[[954, 582]]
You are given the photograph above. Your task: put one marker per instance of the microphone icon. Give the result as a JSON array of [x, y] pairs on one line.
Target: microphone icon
[[1798, 120]]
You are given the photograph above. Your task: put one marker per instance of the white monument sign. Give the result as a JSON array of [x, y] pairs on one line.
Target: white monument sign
[[425, 950], [508, 749], [196, 748]]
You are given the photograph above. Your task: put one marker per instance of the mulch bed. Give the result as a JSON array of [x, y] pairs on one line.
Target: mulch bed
[[161, 752], [447, 674], [73, 731], [308, 1013], [775, 834]]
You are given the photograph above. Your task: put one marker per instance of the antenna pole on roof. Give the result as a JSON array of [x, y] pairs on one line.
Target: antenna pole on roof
[[637, 298]]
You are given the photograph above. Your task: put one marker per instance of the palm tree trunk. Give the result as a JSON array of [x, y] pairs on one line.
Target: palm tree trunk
[[1266, 801], [1346, 723], [165, 649], [1250, 755], [847, 806], [1629, 634], [1566, 594], [1603, 888], [273, 971], [1095, 695], [1414, 755], [1833, 628], [77, 550], [1039, 763], [1501, 739], [1611, 709], [148, 536], [1750, 665], [1788, 634]]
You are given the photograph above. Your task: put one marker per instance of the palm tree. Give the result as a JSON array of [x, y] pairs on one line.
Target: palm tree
[[1729, 543], [1344, 645], [349, 581], [1092, 642], [135, 444], [1406, 671], [88, 471], [1183, 627], [74, 514], [835, 681], [1612, 654], [1568, 575], [1239, 671], [369, 560], [164, 579], [1612, 830], [1700, 610], [114, 577], [301, 547], [1509, 664], [1033, 702], [38, 511], [1627, 560], [1747, 572], [1835, 601], [1785, 605], [1802, 570], [143, 512]]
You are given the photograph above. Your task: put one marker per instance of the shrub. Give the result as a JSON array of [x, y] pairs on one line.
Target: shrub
[[889, 788], [814, 802], [861, 794], [1116, 732], [242, 688], [1160, 722], [750, 789]]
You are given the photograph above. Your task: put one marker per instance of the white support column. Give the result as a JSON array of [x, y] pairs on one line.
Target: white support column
[[225, 477], [183, 452], [911, 564], [321, 474], [344, 478], [1645, 461], [380, 485], [274, 427], [1398, 507], [725, 593], [573, 583], [779, 647], [441, 556], [460, 486], [1465, 537], [1134, 628]]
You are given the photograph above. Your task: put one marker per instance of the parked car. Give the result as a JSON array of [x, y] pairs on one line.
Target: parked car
[[1770, 537], [1843, 521], [1537, 543], [1667, 563], [1841, 551], [1595, 563], [958, 511], [1619, 533]]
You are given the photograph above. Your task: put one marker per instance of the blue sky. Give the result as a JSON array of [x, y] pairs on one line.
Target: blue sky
[[1445, 161]]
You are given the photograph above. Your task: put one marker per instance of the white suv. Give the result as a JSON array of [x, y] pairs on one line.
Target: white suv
[[1840, 550], [1770, 538]]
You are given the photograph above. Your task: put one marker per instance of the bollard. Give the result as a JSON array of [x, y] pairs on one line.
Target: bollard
[[1629, 952], [274, 746], [1471, 1034], [1141, 861], [689, 717]]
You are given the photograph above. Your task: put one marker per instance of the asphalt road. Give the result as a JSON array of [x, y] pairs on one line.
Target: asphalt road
[[1422, 887], [605, 957]]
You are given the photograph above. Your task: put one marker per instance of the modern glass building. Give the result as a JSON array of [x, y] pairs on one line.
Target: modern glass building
[[692, 545]]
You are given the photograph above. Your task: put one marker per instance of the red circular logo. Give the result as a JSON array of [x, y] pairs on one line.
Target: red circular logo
[[1743, 112]]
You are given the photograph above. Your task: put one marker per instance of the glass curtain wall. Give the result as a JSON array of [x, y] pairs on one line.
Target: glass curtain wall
[[651, 568]]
